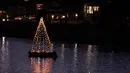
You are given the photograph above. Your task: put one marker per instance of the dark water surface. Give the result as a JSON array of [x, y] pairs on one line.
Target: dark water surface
[[71, 59]]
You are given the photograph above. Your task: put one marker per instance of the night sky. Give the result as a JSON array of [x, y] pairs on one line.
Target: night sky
[[4, 4]]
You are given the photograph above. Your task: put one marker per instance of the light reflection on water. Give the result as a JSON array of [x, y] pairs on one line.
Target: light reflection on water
[[4, 57], [75, 60], [87, 59], [61, 58], [41, 65], [91, 58], [62, 54]]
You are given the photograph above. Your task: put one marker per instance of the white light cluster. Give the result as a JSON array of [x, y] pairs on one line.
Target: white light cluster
[[88, 9]]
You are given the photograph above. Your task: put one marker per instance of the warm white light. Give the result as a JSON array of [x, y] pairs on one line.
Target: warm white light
[[90, 7], [18, 18], [3, 19], [3, 40], [31, 17], [76, 15], [63, 16], [95, 8], [75, 45], [90, 10], [52, 16], [7, 19], [57, 17]]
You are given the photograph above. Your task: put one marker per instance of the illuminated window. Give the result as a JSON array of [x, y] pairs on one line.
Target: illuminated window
[[96, 8], [90, 10]]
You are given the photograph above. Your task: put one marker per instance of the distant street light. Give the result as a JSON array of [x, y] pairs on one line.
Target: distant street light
[[76, 15], [52, 16], [3, 19]]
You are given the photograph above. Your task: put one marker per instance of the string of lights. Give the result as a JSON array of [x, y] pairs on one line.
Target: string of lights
[[41, 41]]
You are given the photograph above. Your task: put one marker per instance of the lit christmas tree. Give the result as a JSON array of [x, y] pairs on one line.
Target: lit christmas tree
[[41, 42]]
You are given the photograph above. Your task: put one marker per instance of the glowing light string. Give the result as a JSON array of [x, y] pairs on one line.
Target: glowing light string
[[41, 41]]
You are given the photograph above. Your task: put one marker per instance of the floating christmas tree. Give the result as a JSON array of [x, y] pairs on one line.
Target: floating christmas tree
[[41, 43]]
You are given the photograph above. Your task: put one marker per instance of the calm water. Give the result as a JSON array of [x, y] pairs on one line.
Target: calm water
[[71, 59]]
